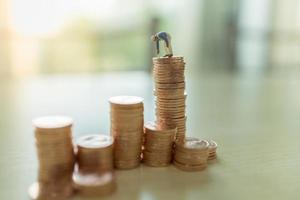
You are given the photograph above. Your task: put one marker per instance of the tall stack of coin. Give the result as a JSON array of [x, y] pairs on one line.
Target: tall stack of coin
[[170, 93], [191, 155], [94, 184], [158, 146], [127, 120], [212, 150], [56, 158], [95, 153]]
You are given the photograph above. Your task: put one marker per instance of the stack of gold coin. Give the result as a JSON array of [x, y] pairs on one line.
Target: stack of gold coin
[[158, 146], [94, 184], [56, 158], [95, 153], [212, 150], [170, 94], [191, 154], [127, 120]]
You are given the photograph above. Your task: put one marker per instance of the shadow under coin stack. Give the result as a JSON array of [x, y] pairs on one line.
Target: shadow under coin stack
[[170, 94], [127, 120], [56, 158], [191, 155], [94, 174], [158, 146]]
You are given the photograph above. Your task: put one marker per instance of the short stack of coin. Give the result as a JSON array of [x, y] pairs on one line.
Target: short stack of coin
[[158, 146], [127, 120], [212, 150], [56, 158], [191, 154], [95, 153], [94, 184], [170, 94]]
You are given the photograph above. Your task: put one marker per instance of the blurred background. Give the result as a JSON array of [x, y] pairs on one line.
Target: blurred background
[[76, 36]]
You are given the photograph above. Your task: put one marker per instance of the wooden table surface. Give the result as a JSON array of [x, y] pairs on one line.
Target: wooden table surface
[[254, 120]]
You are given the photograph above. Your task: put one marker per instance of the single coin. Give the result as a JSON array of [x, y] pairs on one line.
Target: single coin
[[175, 61], [154, 127], [171, 111], [179, 99], [211, 157], [168, 73], [164, 71], [170, 85], [167, 120], [195, 143], [52, 122], [126, 100], [95, 141], [168, 64], [169, 79], [167, 58]]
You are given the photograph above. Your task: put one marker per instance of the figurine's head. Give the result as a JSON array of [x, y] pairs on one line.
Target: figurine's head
[[154, 38]]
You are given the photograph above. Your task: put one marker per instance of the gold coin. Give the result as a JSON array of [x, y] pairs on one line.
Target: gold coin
[[52, 122], [170, 85], [193, 144], [95, 141], [126, 101]]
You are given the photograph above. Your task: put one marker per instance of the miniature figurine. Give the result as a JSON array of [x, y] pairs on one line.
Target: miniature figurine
[[167, 42]]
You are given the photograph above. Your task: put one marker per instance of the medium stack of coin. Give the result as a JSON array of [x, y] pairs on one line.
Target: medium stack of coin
[[95, 153], [127, 120], [53, 137], [212, 150], [170, 94], [94, 184], [191, 154], [158, 146]]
